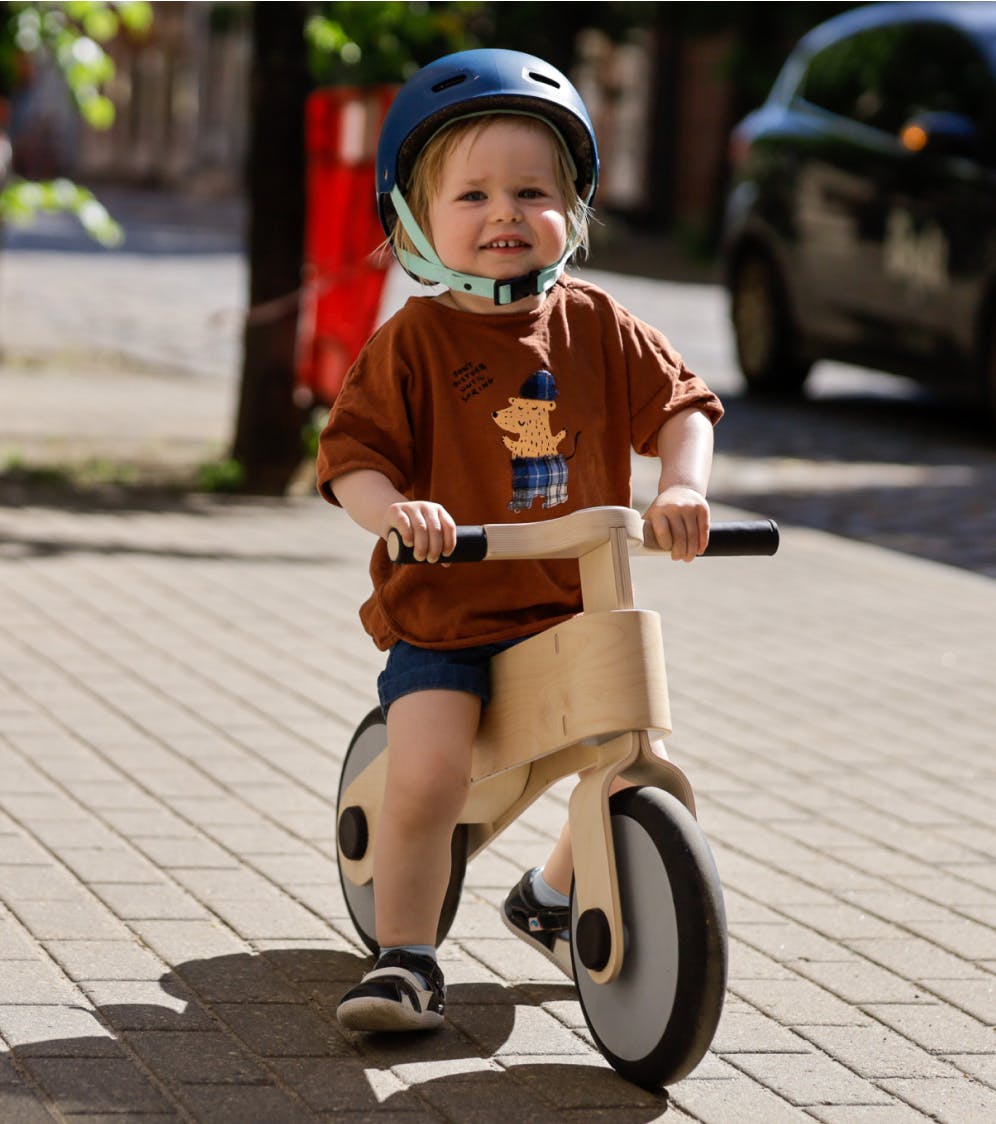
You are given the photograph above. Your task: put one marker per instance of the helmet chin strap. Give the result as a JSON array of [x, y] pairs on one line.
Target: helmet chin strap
[[426, 264]]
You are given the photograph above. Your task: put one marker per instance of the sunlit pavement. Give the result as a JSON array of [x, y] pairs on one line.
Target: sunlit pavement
[[178, 682]]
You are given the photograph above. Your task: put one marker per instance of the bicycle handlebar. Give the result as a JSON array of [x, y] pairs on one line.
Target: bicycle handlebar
[[726, 540]]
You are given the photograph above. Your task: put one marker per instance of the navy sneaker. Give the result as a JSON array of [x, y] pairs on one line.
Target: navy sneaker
[[542, 927], [403, 991]]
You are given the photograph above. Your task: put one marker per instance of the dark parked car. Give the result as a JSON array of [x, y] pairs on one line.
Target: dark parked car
[[861, 223]]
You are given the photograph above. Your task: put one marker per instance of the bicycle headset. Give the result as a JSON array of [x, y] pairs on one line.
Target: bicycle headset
[[469, 84]]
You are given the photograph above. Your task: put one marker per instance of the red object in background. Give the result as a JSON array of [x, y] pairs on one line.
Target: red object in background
[[343, 276]]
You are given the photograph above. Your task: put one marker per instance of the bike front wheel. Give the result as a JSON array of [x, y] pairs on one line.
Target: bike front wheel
[[656, 1020]]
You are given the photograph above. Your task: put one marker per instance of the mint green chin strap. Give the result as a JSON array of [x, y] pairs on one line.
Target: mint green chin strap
[[426, 264]]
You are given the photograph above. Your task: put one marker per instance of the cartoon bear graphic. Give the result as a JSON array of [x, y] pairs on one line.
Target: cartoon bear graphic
[[538, 469]]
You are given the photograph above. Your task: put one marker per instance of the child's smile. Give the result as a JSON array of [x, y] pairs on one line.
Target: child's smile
[[498, 211]]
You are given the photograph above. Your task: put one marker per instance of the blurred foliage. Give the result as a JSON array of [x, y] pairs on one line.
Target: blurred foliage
[[72, 36], [224, 475], [21, 201], [354, 43]]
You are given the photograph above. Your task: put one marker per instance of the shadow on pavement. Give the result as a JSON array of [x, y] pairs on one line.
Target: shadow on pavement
[[255, 1038]]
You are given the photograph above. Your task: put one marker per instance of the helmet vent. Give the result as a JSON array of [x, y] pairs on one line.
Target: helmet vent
[[544, 78], [445, 85]]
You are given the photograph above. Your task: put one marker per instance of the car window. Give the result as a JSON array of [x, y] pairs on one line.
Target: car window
[[884, 76]]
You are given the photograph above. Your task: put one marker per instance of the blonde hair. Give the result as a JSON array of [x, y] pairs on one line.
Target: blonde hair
[[427, 175]]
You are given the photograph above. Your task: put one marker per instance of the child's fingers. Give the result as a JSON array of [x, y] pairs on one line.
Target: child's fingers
[[449, 532], [433, 532], [683, 534]]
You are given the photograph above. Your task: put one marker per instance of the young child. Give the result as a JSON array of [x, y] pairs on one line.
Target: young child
[[516, 394]]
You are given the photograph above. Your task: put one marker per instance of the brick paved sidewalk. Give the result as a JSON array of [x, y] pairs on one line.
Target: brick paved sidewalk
[[177, 687]]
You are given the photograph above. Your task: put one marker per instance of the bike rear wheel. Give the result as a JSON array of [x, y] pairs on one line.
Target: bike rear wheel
[[656, 1020], [368, 742]]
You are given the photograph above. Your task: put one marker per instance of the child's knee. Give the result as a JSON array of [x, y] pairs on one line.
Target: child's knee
[[428, 785]]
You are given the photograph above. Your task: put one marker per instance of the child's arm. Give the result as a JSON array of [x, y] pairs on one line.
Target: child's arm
[[680, 514], [372, 501]]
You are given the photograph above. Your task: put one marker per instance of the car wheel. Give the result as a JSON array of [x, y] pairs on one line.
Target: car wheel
[[989, 373], [765, 336]]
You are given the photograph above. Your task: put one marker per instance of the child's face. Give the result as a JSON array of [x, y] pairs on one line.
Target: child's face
[[498, 211]]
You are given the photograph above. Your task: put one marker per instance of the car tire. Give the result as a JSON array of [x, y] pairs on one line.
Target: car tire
[[763, 329], [988, 368]]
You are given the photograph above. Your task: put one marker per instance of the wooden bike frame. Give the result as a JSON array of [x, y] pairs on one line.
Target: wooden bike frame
[[581, 697]]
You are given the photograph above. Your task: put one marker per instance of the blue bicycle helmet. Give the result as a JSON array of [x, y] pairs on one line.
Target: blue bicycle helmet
[[467, 84]]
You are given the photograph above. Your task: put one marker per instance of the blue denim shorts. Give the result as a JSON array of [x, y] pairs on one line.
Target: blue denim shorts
[[412, 669]]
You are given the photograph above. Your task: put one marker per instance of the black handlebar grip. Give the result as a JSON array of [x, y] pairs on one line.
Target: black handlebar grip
[[471, 546], [750, 536]]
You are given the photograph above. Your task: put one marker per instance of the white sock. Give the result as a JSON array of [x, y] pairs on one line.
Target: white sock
[[544, 893]]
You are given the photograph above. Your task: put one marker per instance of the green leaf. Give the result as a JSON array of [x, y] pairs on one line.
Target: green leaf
[[136, 15], [101, 23], [98, 111]]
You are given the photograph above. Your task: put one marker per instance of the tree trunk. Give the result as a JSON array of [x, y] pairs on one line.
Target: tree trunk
[[268, 439]]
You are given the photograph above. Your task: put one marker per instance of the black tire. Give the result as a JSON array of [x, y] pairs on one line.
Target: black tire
[[988, 366], [368, 742], [656, 1020], [765, 336]]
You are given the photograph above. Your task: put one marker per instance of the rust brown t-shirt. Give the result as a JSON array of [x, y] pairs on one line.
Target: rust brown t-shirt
[[504, 417]]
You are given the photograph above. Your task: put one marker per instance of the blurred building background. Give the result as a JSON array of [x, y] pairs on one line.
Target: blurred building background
[[664, 83], [182, 108]]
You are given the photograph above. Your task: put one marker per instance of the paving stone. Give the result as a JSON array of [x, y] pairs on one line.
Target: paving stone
[[348, 1086], [190, 852], [895, 1113], [859, 983], [282, 1030], [20, 1106], [472, 1097], [236, 1104], [148, 901], [270, 917], [734, 1096], [96, 1085], [94, 864], [809, 1079], [742, 1029], [876, 1052], [15, 942], [195, 1057], [237, 978], [33, 982], [916, 959], [104, 960], [147, 1005], [83, 919], [797, 1002], [179, 940], [975, 997], [57, 1031], [952, 1101], [937, 1028], [980, 1066]]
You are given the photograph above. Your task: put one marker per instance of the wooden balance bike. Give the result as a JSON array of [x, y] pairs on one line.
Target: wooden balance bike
[[648, 926]]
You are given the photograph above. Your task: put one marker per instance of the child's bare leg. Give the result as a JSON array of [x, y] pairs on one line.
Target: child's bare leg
[[559, 867], [429, 735]]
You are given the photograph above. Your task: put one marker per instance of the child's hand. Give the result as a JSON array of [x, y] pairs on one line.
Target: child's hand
[[680, 519], [426, 527]]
